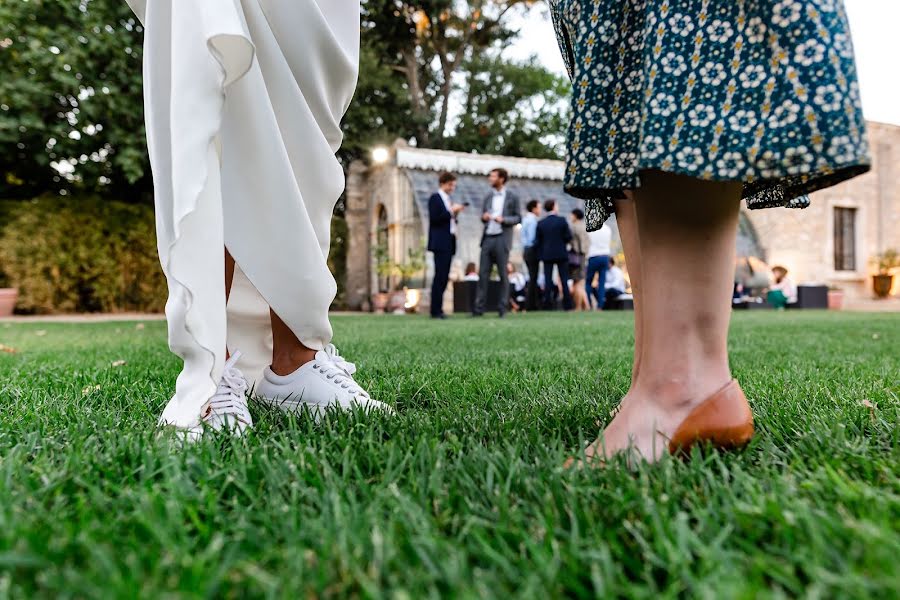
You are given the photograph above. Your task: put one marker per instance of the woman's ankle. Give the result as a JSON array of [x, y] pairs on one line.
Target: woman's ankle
[[674, 391], [285, 362]]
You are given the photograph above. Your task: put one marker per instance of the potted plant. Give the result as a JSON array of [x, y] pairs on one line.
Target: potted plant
[[385, 269], [883, 280], [835, 298], [8, 296], [414, 264]]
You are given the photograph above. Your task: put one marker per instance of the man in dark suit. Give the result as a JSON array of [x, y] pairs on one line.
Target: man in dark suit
[[500, 214], [442, 213], [553, 234]]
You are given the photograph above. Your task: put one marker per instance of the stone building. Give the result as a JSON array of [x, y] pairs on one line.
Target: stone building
[[834, 240], [831, 242], [387, 208]]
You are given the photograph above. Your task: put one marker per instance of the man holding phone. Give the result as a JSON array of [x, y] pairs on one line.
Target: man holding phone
[[500, 214], [442, 213]]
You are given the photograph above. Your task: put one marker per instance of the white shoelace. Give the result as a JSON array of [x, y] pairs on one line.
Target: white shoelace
[[229, 398], [330, 363], [339, 361]]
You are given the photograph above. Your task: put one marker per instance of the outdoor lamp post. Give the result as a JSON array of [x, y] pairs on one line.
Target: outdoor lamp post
[[380, 155]]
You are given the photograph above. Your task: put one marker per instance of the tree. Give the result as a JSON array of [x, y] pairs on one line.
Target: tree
[[379, 112], [514, 109], [428, 42], [71, 105], [71, 108]]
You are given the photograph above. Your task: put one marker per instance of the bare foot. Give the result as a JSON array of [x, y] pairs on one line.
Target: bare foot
[[643, 423]]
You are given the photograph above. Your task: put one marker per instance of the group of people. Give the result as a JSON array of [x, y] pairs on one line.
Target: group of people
[[500, 214], [577, 265], [586, 276], [677, 115]]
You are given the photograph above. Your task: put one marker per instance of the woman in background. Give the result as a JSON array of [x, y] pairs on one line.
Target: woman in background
[[615, 282], [783, 291], [578, 260]]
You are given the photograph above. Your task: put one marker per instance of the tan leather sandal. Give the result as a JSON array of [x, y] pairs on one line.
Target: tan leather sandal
[[723, 420]]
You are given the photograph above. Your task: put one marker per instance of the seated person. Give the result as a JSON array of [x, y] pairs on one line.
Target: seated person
[[518, 285], [471, 272], [615, 281], [783, 291]]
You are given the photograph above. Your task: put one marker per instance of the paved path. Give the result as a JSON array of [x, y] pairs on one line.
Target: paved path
[[84, 318], [110, 317], [873, 305], [887, 305]]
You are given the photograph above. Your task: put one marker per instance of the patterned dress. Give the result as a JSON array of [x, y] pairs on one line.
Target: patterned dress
[[758, 91]]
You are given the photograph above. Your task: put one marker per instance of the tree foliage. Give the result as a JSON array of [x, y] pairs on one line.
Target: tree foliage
[[71, 108], [436, 46], [432, 71], [513, 109]]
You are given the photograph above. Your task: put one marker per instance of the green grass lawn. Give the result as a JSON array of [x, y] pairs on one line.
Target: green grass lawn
[[461, 494]]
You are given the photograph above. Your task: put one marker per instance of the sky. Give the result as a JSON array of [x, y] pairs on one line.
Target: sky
[[876, 38]]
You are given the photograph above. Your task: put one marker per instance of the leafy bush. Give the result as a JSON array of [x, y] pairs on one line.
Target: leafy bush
[[887, 261], [81, 255]]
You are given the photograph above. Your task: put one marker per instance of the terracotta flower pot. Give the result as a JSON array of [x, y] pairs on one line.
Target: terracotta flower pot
[[882, 285], [8, 297], [835, 299], [397, 303], [380, 301]]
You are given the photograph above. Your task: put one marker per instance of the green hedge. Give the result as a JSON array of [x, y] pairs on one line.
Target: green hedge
[[80, 255]]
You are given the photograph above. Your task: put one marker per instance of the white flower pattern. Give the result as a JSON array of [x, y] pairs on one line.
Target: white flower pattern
[[748, 90]]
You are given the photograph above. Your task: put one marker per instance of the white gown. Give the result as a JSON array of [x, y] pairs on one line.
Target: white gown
[[243, 102]]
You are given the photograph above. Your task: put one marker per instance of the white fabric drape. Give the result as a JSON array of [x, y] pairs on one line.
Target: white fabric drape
[[243, 102]]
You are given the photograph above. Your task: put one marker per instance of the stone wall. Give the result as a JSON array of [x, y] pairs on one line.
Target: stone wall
[[803, 240], [358, 228]]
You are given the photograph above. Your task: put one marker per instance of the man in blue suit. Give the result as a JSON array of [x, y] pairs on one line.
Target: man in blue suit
[[553, 235], [442, 213]]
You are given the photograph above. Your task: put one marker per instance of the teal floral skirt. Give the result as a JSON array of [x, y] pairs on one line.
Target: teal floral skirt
[[758, 91]]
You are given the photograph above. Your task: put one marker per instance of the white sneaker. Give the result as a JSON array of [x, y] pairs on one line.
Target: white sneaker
[[227, 409], [325, 382]]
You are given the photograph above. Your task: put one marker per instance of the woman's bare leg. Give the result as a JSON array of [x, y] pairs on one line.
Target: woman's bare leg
[[229, 273], [288, 354], [626, 219], [686, 234], [579, 295], [229, 280]]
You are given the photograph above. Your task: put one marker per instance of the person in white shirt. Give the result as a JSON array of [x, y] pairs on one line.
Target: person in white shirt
[[471, 273], [615, 281], [500, 214], [517, 288], [598, 263], [783, 291]]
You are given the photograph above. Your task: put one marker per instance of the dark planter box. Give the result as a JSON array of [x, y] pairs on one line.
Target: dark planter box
[[464, 293], [624, 304], [811, 296]]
